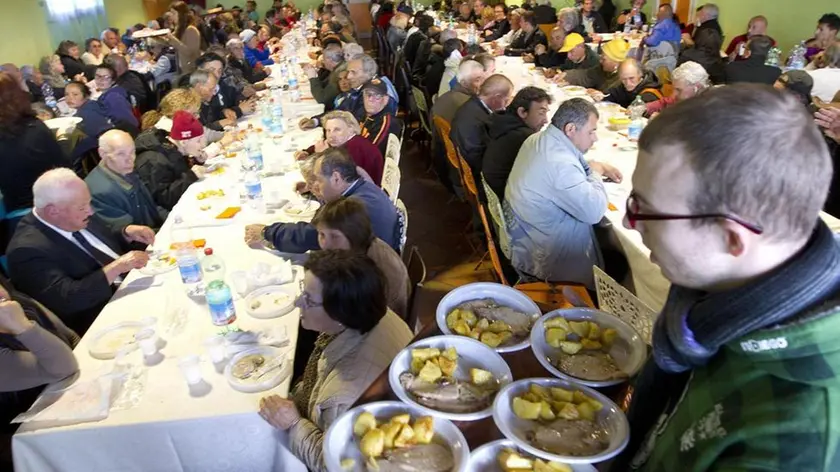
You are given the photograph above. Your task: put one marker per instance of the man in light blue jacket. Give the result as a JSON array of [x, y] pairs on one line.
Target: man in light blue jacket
[[555, 197]]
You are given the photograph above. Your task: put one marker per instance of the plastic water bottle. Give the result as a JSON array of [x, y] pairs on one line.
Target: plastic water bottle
[[265, 113], [49, 97], [220, 301], [253, 190], [471, 34], [277, 118], [773, 57], [253, 152], [637, 122], [212, 266], [189, 265], [797, 57], [293, 82]]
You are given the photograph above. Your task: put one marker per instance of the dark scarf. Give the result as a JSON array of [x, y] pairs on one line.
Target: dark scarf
[[694, 325]]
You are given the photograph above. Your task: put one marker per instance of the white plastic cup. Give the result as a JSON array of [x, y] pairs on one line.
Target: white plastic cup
[[240, 282], [216, 349], [190, 366], [147, 339]]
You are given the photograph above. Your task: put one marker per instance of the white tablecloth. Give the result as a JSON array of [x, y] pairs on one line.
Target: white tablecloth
[[168, 429], [650, 285]]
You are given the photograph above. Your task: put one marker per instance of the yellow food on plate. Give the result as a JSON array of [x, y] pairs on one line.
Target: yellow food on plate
[[466, 323], [618, 120], [573, 336], [347, 464], [426, 362], [581, 328], [210, 193], [513, 461], [430, 372], [395, 433], [548, 404], [555, 336], [570, 347], [479, 376]]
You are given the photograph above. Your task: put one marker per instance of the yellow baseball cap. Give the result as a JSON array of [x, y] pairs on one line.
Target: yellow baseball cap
[[616, 49], [572, 41]]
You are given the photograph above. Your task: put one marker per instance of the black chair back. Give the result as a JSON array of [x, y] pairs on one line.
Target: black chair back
[[417, 276]]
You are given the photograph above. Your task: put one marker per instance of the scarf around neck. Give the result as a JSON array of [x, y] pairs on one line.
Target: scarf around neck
[[694, 325]]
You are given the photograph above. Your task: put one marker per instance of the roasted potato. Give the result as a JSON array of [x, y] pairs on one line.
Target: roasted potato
[[511, 461], [498, 327], [594, 331], [347, 464], [390, 431], [450, 353], [447, 366], [505, 336], [453, 317], [581, 328], [461, 327], [570, 348], [608, 337], [586, 411], [475, 334], [558, 322], [561, 394], [405, 418], [373, 443], [417, 365], [425, 353], [424, 430], [483, 324], [469, 317], [430, 372], [525, 409], [405, 437], [364, 423], [569, 412], [546, 412], [490, 339], [479, 376], [555, 336], [541, 392], [553, 466], [590, 344]]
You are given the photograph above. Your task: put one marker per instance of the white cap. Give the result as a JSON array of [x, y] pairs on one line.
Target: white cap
[[246, 35]]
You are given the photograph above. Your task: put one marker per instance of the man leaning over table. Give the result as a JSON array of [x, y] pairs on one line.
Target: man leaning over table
[[67, 258], [550, 56], [334, 175], [556, 197], [744, 371]]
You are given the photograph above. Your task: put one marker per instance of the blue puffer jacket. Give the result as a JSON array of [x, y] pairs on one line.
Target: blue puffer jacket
[[255, 55]]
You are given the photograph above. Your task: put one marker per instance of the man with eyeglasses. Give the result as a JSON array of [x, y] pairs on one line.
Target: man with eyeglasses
[[556, 197], [743, 374], [379, 121]]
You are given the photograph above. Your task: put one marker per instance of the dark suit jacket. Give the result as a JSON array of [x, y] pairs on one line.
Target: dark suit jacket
[[525, 44], [469, 132], [54, 271], [752, 70]]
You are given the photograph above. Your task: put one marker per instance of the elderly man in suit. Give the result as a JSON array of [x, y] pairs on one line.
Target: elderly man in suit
[[119, 196], [65, 257]]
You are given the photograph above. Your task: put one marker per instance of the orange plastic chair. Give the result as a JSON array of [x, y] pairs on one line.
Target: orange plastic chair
[[467, 176], [491, 247], [546, 29]]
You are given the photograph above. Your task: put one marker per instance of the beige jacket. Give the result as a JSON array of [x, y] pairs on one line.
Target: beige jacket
[[396, 274], [348, 366]]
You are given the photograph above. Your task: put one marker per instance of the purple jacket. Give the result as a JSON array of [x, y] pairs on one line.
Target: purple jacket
[[115, 101]]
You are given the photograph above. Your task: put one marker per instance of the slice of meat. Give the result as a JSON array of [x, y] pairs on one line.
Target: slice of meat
[[453, 396], [591, 365], [570, 438], [421, 458]]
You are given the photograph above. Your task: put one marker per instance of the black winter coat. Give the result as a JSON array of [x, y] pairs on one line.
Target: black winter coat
[[506, 134], [162, 168]]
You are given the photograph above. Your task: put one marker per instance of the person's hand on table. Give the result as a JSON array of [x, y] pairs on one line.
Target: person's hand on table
[[131, 260], [606, 170], [229, 114], [279, 412], [254, 235], [488, 32], [549, 72], [559, 78], [227, 139], [199, 171], [307, 124], [301, 155], [596, 95], [539, 50], [301, 187], [248, 91], [80, 77], [139, 234], [247, 107], [310, 71], [528, 58], [321, 146], [12, 318], [498, 52]]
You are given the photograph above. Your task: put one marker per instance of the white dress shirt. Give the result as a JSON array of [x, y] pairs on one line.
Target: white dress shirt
[[93, 240]]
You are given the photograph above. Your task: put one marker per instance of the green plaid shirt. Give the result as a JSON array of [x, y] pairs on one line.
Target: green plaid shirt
[[768, 401]]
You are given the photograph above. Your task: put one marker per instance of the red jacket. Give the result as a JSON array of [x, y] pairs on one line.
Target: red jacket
[[365, 154]]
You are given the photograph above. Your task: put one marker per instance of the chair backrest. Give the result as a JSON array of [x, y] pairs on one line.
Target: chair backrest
[[417, 276], [422, 107], [664, 76], [444, 128], [546, 29], [491, 248], [497, 214], [467, 176], [393, 150], [391, 179], [402, 211]]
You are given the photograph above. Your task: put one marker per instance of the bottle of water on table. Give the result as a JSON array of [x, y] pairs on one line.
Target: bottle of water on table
[[212, 266], [265, 113], [637, 121], [277, 118], [189, 265], [797, 59], [220, 301], [253, 190]]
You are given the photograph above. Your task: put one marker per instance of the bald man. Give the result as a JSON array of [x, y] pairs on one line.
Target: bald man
[[472, 120], [119, 196], [737, 50], [65, 257], [635, 81]]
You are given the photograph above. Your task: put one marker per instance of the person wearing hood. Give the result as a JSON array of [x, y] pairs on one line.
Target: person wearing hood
[[602, 76], [744, 367], [117, 193], [379, 123], [526, 114], [635, 81], [68, 52], [452, 52], [163, 159]]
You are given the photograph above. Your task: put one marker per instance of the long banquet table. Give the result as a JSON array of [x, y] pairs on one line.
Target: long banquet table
[[650, 285], [163, 427]]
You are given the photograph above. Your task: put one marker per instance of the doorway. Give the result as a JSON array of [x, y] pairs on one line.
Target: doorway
[[684, 9]]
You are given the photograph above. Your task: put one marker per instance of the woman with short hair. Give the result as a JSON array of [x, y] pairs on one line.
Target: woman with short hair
[[68, 52], [93, 55], [115, 99], [343, 299]]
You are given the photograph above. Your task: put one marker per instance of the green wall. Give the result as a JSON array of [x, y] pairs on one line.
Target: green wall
[[26, 34]]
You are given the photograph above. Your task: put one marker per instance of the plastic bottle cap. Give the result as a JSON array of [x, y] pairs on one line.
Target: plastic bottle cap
[[208, 251]]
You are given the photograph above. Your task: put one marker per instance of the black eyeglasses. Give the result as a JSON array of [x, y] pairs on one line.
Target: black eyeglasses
[[633, 215]]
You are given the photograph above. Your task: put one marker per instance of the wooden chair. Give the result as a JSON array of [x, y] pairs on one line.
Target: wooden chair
[[664, 76], [444, 129], [548, 295], [417, 276], [468, 178], [546, 28]]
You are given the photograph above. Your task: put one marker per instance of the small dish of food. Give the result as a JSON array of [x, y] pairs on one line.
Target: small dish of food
[[393, 436], [504, 456], [301, 208], [559, 420], [497, 315], [273, 301], [160, 262], [257, 369], [588, 346], [450, 377]]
